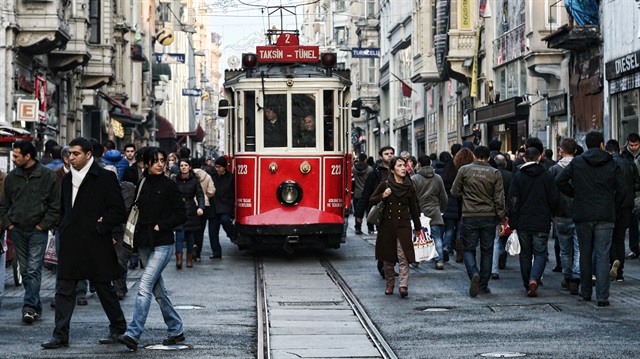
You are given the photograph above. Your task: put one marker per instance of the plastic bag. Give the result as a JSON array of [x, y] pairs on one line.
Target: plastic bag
[[513, 244], [50, 255]]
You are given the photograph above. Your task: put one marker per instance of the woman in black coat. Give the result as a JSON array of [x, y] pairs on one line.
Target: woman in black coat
[[161, 209], [191, 192]]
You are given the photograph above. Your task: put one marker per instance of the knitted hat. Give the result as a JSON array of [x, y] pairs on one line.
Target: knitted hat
[[221, 161]]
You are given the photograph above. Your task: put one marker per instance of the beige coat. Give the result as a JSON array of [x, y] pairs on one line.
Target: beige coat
[[207, 185]]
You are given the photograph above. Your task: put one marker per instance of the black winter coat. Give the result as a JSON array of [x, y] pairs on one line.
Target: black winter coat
[[380, 174], [193, 199], [86, 248], [223, 202], [533, 198], [596, 184], [631, 179], [160, 203]]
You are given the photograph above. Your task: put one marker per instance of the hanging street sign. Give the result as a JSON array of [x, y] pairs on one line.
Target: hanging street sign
[[165, 36], [365, 52], [168, 58], [28, 110], [192, 92]]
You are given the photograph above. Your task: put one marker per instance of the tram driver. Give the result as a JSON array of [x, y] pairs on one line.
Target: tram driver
[[307, 135], [275, 130]]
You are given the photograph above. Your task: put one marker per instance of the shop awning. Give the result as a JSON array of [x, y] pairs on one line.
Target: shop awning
[[196, 136], [165, 128], [115, 103], [160, 69], [511, 109]]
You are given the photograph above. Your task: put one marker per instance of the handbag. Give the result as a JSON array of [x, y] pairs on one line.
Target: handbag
[[513, 244], [132, 221], [424, 247], [50, 254], [375, 213]]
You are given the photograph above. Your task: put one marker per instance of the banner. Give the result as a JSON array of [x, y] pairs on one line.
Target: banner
[[441, 37]]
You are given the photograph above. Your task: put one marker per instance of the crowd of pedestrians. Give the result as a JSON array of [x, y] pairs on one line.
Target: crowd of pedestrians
[[477, 196], [79, 196]]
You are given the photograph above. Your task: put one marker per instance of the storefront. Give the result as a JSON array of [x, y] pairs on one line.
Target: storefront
[[623, 76], [506, 121], [557, 112]]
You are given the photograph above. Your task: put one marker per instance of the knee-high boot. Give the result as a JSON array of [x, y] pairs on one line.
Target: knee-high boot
[[179, 260], [189, 260]]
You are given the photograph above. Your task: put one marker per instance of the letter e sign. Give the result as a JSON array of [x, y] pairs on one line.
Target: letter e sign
[[27, 110]]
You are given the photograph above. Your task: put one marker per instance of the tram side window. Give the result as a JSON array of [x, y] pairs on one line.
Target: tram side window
[[303, 112], [275, 121], [328, 119], [250, 121]]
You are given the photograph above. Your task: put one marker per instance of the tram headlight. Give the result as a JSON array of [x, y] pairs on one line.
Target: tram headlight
[[289, 193]]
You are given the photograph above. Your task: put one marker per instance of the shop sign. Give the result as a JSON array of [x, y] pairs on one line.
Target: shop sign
[[557, 105], [24, 84], [41, 95], [622, 66], [168, 58], [27, 110]]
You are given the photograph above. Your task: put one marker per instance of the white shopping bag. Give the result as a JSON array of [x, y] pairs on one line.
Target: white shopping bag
[[513, 244]]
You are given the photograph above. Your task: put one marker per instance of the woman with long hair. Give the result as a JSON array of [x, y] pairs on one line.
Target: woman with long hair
[[394, 243], [161, 209], [194, 204]]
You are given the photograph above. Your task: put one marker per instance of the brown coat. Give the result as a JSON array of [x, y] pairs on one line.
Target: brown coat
[[396, 223]]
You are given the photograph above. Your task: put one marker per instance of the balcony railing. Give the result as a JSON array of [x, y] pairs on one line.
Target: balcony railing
[[509, 46]]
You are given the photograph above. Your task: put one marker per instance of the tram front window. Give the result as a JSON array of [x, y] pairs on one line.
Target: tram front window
[[275, 121]]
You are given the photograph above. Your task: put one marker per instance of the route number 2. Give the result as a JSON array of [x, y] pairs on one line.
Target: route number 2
[[336, 170], [242, 169]]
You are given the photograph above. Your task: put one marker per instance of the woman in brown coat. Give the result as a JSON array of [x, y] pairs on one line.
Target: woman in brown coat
[[394, 242]]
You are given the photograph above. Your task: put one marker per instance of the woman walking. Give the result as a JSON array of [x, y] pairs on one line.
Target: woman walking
[[189, 185], [394, 242], [161, 209]]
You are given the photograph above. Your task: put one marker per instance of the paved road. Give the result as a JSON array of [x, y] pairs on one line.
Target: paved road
[[553, 325]]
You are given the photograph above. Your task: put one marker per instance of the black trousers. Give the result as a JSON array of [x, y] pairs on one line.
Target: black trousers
[[623, 218], [66, 302]]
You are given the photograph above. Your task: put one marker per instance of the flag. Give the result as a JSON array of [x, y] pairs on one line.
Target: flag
[[406, 89]]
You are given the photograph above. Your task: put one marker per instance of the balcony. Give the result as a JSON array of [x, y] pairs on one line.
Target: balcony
[[41, 27], [574, 38], [510, 46], [99, 70], [462, 46], [76, 52]]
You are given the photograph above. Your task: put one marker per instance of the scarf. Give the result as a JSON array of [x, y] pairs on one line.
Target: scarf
[[399, 189], [77, 177]]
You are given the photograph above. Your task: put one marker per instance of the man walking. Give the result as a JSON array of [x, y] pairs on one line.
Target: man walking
[[30, 206], [531, 203], [565, 228], [631, 153], [361, 171], [480, 187], [223, 204], [432, 201], [596, 184], [92, 206]]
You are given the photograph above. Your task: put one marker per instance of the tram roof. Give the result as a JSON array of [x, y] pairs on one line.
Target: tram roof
[[280, 71]]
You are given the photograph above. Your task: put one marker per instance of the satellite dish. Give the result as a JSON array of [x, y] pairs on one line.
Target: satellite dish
[[233, 62]]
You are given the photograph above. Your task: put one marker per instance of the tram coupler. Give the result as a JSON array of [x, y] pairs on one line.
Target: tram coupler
[[288, 242]]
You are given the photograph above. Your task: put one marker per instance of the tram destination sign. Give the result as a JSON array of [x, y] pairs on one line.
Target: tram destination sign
[[288, 53]]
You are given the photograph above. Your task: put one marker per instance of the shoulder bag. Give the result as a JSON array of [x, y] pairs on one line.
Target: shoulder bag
[[375, 213], [132, 221]]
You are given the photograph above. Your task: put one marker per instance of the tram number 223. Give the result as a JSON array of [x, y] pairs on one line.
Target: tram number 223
[[242, 169], [336, 170]]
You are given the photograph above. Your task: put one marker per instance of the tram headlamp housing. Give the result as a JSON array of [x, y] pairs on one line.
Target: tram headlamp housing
[[249, 61], [289, 193]]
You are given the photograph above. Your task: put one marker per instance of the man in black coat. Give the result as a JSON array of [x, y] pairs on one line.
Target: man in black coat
[[532, 200], [596, 184], [92, 206], [223, 204]]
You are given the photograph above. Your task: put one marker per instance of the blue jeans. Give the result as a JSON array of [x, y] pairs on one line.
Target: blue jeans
[[532, 244], [478, 230], [498, 249], [214, 232], [154, 261], [29, 249], [595, 242], [451, 233], [181, 236], [569, 247], [437, 232]]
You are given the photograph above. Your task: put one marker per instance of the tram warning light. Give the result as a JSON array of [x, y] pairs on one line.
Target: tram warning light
[[249, 61], [328, 60]]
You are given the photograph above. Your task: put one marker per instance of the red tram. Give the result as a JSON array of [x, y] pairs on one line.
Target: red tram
[[287, 138]]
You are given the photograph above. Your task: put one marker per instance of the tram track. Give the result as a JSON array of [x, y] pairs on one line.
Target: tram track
[[377, 343]]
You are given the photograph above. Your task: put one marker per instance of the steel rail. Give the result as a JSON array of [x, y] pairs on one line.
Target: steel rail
[[262, 313], [374, 335]]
